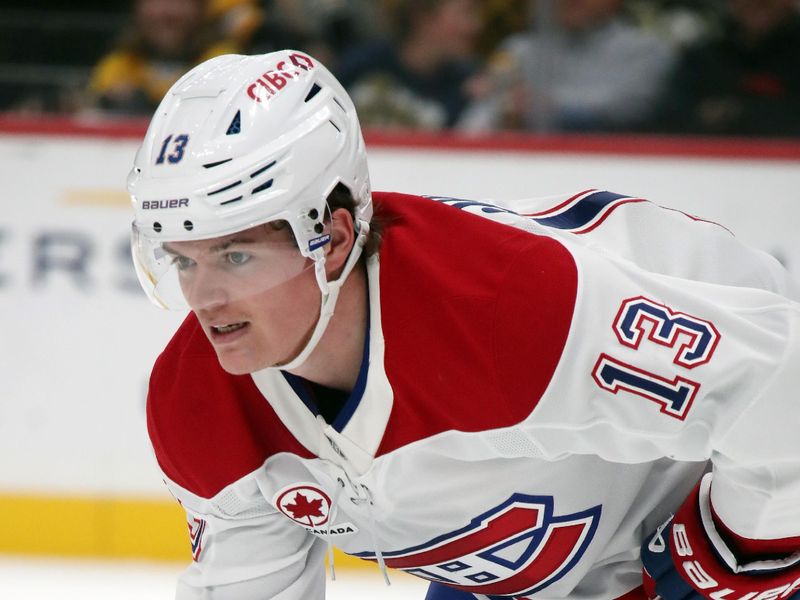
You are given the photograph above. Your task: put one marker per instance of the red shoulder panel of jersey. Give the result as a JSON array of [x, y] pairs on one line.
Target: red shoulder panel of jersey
[[475, 316], [209, 428]]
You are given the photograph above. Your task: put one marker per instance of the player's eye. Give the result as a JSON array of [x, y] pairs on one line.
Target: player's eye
[[182, 262], [237, 258]]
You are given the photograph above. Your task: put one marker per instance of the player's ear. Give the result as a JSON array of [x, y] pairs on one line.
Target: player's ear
[[342, 232]]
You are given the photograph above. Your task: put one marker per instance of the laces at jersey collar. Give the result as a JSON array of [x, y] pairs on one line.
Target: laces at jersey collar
[[367, 501]]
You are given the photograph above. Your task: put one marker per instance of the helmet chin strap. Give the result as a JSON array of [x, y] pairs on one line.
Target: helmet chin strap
[[330, 294]]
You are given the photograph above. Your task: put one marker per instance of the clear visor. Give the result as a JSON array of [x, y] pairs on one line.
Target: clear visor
[[200, 274]]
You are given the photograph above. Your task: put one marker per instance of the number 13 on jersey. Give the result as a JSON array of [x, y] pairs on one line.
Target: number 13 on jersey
[[691, 340]]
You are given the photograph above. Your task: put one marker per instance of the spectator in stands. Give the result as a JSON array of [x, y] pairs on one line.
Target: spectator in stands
[[324, 29], [501, 19], [584, 68], [421, 80], [167, 37], [745, 82], [682, 22], [238, 20]]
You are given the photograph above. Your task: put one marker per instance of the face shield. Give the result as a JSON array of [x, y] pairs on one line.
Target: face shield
[[200, 274]]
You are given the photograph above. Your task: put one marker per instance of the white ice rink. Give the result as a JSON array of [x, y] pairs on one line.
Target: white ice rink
[[59, 579]]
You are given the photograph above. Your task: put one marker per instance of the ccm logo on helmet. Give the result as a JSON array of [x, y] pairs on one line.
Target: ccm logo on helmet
[[174, 203], [271, 82]]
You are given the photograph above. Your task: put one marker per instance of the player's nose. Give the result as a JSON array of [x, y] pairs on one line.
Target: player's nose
[[205, 291]]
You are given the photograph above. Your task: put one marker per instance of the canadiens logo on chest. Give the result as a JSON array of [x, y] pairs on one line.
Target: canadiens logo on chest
[[514, 549], [308, 505]]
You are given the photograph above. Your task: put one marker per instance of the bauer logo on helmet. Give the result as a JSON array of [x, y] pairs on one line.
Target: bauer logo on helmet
[[160, 204]]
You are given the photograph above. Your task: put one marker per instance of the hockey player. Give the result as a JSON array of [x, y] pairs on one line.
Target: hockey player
[[531, 401]]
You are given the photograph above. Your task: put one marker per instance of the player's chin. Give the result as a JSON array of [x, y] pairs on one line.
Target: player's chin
[[239, 363]]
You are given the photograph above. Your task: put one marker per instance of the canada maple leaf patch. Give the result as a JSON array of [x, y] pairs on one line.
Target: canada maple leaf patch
[[305, 503], [309, 506], [305, 508]]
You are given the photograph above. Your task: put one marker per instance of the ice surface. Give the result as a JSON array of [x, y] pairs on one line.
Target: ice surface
[[62, 579]]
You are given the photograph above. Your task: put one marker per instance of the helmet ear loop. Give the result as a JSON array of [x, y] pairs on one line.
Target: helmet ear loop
[[330, 293], [332, 288], [319, 260], [319, 271], [362, 230]]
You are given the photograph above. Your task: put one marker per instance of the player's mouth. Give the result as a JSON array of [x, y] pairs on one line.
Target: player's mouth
[[229, 332]]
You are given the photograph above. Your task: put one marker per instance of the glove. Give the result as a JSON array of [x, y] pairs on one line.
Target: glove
[[687, 559]]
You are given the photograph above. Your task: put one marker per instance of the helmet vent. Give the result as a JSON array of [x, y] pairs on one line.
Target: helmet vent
[[227, 187], [230, 201], [335, 126], [236, 124], [264, 186], [262, 169], [216, 164], [312, 92], [339, 104]]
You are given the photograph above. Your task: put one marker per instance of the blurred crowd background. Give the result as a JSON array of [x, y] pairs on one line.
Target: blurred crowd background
[[703, 67]]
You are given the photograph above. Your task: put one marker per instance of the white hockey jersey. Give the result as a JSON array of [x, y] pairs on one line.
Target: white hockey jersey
[[537, 393]]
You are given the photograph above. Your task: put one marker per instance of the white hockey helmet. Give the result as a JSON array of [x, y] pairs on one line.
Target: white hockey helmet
[[240, 141]]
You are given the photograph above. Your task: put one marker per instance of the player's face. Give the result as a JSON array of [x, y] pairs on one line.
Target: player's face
[[255, 296]]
